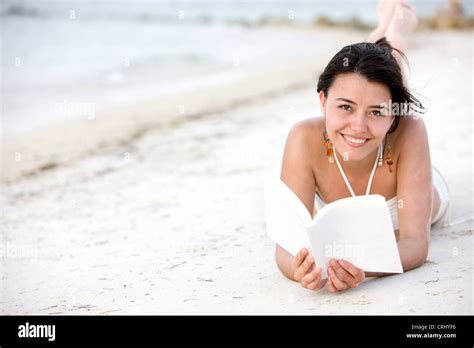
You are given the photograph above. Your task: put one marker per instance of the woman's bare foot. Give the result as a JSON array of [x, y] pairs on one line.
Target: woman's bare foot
[[397, 18], [385, 10], [404, 19]]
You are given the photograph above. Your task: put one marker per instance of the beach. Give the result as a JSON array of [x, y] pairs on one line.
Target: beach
[[156, 207]]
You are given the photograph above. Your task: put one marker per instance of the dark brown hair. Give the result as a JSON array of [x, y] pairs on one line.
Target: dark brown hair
[[376, 63]]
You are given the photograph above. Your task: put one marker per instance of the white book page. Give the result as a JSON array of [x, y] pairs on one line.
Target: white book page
[[285, 220], [357, 229]]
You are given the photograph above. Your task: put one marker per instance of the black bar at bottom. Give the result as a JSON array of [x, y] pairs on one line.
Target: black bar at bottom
[[416, 330]]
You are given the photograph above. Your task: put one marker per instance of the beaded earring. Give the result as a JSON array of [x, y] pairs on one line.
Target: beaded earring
[[389, 160], [380, 160], [329, 150]]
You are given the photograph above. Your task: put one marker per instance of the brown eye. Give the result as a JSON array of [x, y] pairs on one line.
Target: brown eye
[[377, 113], [345, 107]]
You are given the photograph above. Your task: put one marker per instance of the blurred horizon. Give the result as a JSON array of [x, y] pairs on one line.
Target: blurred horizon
[[243, 12], [67, 59]]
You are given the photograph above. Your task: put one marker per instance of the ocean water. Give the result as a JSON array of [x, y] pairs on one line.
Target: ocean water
[[69, 59]]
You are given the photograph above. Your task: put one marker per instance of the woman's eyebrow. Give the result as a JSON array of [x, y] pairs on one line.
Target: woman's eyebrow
[[347, 100], [380, 106]]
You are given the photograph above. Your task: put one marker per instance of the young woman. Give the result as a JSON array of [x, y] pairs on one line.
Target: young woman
[[366, 142]]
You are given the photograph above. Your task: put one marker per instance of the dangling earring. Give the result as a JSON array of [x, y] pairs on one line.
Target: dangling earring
[[389, 160], [381, 156], [329, 150]]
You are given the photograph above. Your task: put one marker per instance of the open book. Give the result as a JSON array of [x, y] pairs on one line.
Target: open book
[[357, 229]]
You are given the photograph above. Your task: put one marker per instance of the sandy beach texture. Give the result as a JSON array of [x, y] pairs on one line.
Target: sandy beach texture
[[162, 212]]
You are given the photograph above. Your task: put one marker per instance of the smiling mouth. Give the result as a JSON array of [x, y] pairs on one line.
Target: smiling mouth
[[355, 142]]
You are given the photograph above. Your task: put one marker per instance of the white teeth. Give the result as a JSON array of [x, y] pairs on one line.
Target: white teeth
[[353, 140]]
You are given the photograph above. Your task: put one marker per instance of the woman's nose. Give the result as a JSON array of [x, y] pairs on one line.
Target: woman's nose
[[359, 122]]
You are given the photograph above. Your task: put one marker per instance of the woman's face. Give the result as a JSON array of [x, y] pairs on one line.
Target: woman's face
[[353, 109]]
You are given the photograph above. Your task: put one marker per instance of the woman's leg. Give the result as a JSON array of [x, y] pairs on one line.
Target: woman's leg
[[403, 22], [396, 19], [385, 9]]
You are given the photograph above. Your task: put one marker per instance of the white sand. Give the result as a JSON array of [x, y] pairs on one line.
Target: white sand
[[171, 221]]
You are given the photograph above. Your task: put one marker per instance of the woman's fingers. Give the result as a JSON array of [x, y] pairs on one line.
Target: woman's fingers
[[312, 278], [357, 273], [338, 284], [306, 271], [304, 268], [317, 283], [343, 275], [331, 286], [299, 258]]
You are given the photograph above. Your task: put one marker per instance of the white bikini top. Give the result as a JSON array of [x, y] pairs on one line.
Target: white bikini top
[[392, 203]]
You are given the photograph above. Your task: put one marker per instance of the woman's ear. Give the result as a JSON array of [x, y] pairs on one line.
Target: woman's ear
[[322, 102]]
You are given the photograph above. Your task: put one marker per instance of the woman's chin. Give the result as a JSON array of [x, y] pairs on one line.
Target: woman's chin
[[349, 153]]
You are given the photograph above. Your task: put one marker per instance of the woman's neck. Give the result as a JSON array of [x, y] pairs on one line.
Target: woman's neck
[[358, 168]]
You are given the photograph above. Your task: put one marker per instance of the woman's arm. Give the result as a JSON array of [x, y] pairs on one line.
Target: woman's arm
[[297, 169], [297, 174], [415, 193], [284, 262]]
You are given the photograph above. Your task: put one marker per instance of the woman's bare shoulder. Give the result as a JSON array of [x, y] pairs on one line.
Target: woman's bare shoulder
[[305, 144], [299, 159], [412, 126], [410, 132], [308, 132]]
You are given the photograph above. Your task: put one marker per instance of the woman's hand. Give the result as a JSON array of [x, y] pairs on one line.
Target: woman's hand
[[306, 272], [343, 275]]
